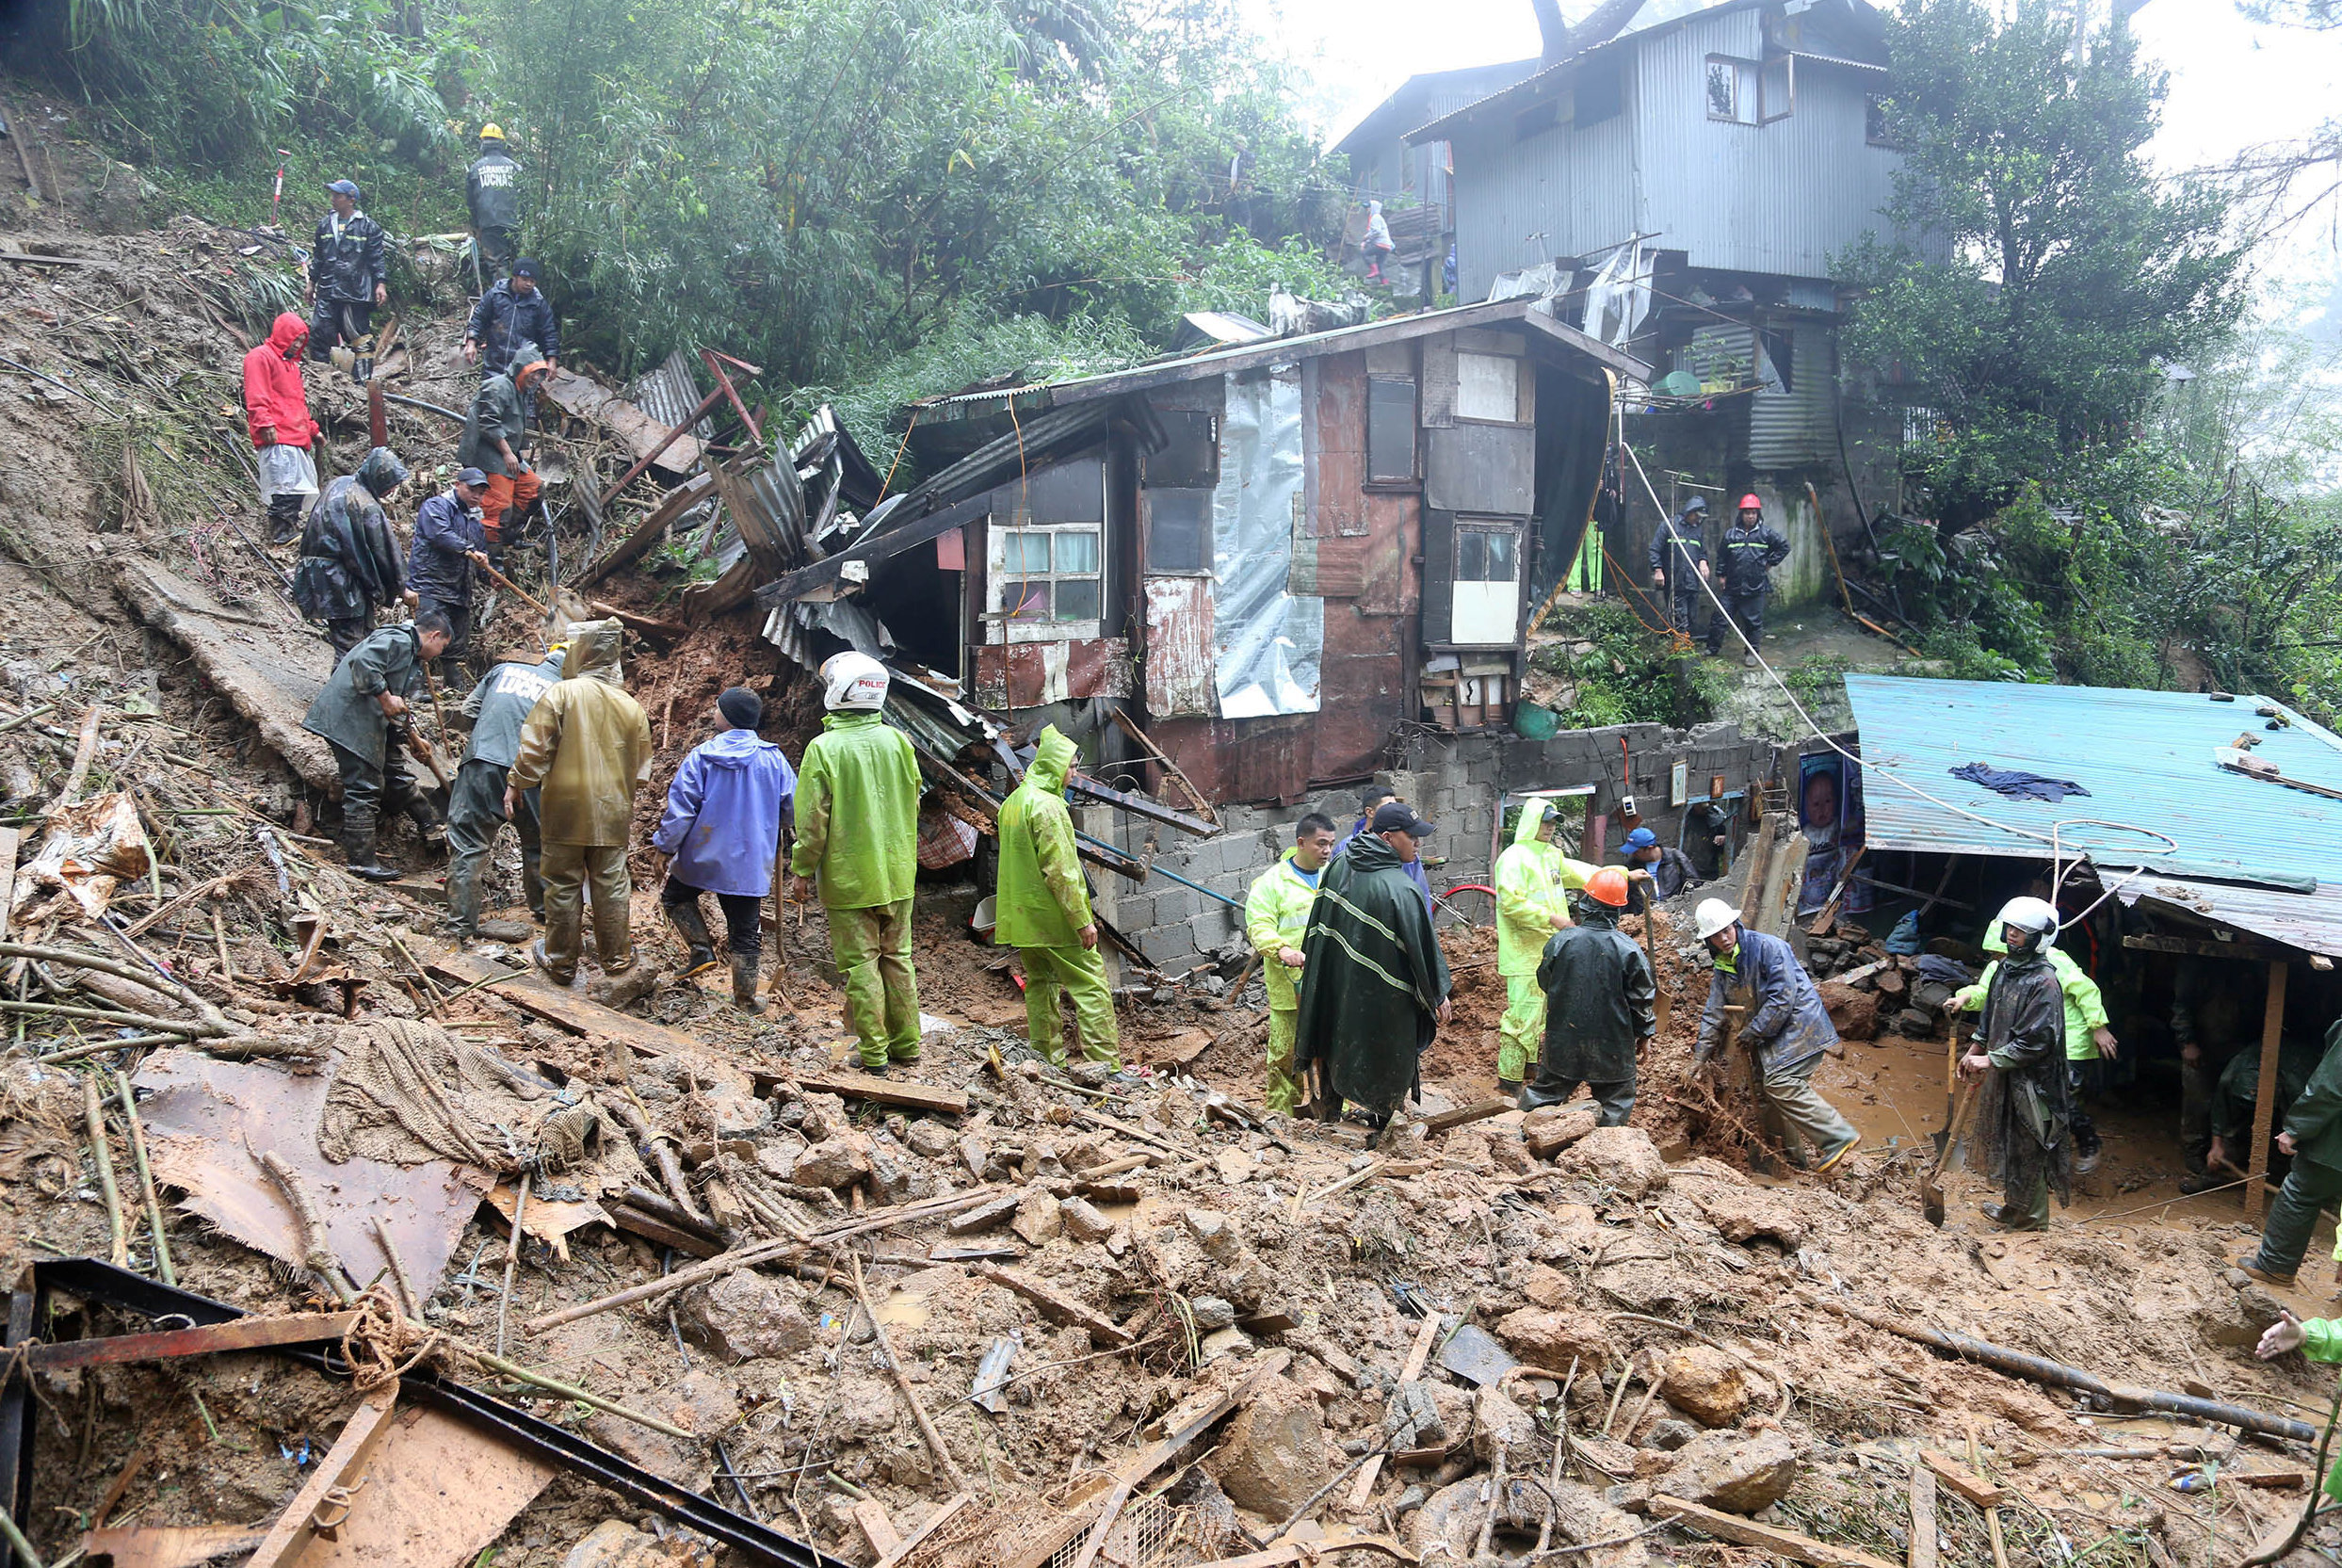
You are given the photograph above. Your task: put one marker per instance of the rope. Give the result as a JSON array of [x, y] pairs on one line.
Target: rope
[[1677, 640], [381, 1336], [2052, 838], [901, 447]]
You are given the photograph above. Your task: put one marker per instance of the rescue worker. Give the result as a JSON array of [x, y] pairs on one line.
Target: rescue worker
[[2319, 1339], [2086, 1036], [276, 411], [1787, 1031], [491, 192], [1369, 801], [726, 808], [1679, 562], [499, 417], [513, 312], [2238, 1097], [587, 746], [347, 275], [1276, 919], [1601, 1000], [348, 567], [498, 708], [1751, 548], [450, 541], [1533, 880], [2313, 1137], [858, 844], [1374, 982], [1658, 871], [2023, 1126], [362, 713], [1043, 913]]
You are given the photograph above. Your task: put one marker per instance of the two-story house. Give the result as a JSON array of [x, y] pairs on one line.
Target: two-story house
[[1685, 187]]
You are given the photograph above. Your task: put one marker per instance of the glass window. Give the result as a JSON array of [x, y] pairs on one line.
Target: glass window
[[1471, 555], [1027, 602], [1732, 89], [1078, 551], [1390, 430], [1024, 553], [1500, 552], [1875, 112], [1048, 581], [1078, 599], [1179, 530], [1487, 555], [1488, 386], [1776, 89]]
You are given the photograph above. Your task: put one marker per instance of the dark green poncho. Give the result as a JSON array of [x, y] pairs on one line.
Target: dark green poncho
[[1373, 978]]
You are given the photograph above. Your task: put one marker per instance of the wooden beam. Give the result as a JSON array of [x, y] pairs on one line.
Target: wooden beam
[[1417, 1356], [672, 505], [1923, 1551], [1053, 1306], [888, 1092], [342, 1468], [241, 1333], [1748, 1532], [2251, 949], [2264, 1106], [878, 1530], [1457, 1118], [1983, 1493], [793, 586]]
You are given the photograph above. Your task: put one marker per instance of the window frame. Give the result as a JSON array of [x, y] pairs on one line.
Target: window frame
[[1746, 75], [1019, 521], [1767, 113], [1459, 586], [1877, 128], [1513, 361], [1376, 478], [1149, 500]]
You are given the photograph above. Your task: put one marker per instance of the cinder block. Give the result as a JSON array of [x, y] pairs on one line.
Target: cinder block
[[1174, 903], [1213, 927]]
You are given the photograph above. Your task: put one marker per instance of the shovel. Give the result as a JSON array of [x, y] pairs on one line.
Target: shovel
[[1931, 1185]]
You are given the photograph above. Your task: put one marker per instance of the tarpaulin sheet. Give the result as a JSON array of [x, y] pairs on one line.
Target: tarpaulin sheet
[[1268, 643]]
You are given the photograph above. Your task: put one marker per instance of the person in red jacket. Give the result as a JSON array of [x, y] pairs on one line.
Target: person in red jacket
[[277, 407]]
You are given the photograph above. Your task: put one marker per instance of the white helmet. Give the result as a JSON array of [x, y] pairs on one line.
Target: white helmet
[[1714, 915], [854, 681], [2037, 916]]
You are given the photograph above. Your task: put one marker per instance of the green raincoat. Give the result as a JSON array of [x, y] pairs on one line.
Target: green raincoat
[[1276, 916], [1533, 882], [1043, 899], [858, 813], [1374, 979]]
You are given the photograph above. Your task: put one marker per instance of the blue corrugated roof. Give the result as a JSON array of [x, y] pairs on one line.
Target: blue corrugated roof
[[2147, 759]]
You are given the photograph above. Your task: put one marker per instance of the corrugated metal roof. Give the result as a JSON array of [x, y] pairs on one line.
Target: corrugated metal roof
[[669, 394], [2147, 757]]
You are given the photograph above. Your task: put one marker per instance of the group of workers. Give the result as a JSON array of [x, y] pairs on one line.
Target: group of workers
[[1749, 550]]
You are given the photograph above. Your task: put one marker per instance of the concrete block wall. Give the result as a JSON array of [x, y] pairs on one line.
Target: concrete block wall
[[1453, 780]]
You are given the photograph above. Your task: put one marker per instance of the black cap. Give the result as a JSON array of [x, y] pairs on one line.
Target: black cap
[[472, 479], [343, 187], [525, 269], [1396, 817], [742, 709]]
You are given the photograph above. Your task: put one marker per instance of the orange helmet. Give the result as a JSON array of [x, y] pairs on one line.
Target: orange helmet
[[1607, 886], [1750, 502]]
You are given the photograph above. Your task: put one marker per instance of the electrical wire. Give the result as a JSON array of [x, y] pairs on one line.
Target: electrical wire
[[2052, 838]]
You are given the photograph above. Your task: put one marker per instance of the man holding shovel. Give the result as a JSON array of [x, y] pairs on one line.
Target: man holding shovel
[[1787, 1029]]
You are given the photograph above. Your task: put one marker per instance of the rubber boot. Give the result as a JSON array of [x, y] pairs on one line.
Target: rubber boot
[[284, 519], [692, 926], [428, 827], [359, 846], [743, 983]]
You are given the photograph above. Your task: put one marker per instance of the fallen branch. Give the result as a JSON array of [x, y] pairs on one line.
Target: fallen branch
[[163, 1268], [933, 1439], [317, 1253], [214, 1022], [94, 1113]]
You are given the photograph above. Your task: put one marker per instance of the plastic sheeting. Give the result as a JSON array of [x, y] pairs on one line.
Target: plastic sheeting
[[1268, 643]]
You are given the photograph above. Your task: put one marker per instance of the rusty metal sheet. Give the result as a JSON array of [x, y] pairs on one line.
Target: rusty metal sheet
[[207, 1122], [170, 1545], [1179, 647], [1329, 568], [438, 1492], [1032, 674], [244, 1333]]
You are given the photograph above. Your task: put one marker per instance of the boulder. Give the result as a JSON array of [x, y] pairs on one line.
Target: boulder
[[1082, 1221], [1214, 1232], [1037, 1218], [1623, 1158], [1855, 1013], [1728, 1471], [835, 1163], [742, 1316], [1498, 1423], [1706, 1384], [1912, 1024], [1740, 1212], [1274, 1455], [1550, 1129], [1550, 1339], [1212, 1313]]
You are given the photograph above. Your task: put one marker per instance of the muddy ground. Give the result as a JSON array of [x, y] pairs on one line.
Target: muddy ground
[[1693, 1295]]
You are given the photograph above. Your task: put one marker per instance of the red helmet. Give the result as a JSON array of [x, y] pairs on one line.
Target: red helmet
[[1750, 502], [1607, 886]]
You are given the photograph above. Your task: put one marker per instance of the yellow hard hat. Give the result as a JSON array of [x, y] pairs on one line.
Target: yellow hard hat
[[492, 132]]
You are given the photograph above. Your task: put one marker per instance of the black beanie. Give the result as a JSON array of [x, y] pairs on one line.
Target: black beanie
[[742, 709]]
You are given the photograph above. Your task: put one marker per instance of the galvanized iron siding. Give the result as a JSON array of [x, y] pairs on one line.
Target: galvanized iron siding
[[1787, 429], [2147, 757], [1562, 193]]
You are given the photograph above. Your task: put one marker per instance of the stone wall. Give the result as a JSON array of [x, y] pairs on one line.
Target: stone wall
[[1455, 781]]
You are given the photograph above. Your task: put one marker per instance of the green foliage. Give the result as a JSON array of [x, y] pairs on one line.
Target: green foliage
[[1817, 676], [2058, 270], [1630, 676]]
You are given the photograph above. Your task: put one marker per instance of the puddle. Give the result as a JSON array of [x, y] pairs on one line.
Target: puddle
[[904, 1309]]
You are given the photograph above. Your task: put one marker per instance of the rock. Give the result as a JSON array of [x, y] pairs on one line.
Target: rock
[[1448, 1527], [1233, 1166], [1091, 1074], [614, 1060], [1623, 1158], [1225, 1342], [1740, 1212], [1212, 1313], [626, 988], [1083, 1222], [929, 1140], [1914, 1025], [1037, 1220], [1411, 1418], [1498, 1423], [985, 1217], [1670, 1435], [976, 1154], [615, 1543], [742, 1316], [1729, 1471], [1547, 1287], [1215, 1233], [836, 1163], [1855, 1013], [1706, 1384], [1552, 1128], [1549, 1339], [891, 1180], [1274, 1455]]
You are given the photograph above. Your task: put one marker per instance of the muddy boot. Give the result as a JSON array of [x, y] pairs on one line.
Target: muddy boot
[[625, 988], [743, 983], [358, 846], [692, 926], [428, 829], [284, 519]]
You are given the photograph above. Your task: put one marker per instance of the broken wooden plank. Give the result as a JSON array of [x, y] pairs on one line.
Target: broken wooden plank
[[342, 1468], [1419, 1356], [989, 1217], [672, 505], [436, 1492], [1053, 1306], [878, 1530], [242, 1334], [170, 1545], [1983, 1493], [1923, 1551], [1748, 1532], [887, 1092], [642, 434], [927, 1526], [2275, 1480], [633, 1222], [1435, 1125], [533, 994]]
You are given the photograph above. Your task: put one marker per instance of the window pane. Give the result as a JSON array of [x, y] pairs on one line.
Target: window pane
[[1179, 529], [1471, 555], [1077, 552], [1067, 493], [1720, 80], [1488, 386], [1744, 92], [1390, 430], [1500, 556], [1078, 599], [1024, 554], [1776, 94], [1025, 601]]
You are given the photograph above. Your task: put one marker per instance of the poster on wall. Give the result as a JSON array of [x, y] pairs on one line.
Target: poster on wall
[[1830, 815]]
